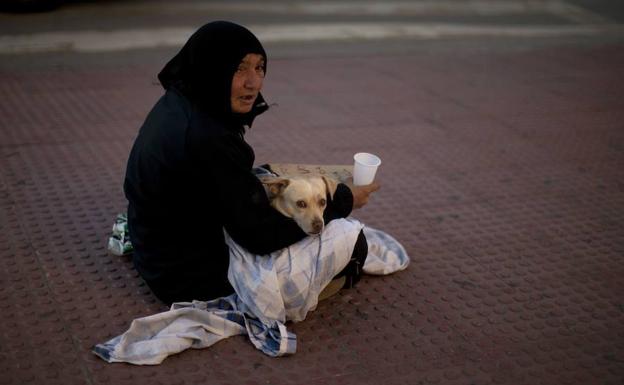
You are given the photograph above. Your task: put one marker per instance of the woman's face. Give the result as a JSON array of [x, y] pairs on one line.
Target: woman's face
[[247, 83]]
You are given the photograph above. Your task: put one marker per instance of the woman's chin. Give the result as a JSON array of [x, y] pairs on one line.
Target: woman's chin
[[241, 109]]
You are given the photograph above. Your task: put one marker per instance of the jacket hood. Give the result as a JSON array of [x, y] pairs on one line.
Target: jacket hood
[[203, 69]]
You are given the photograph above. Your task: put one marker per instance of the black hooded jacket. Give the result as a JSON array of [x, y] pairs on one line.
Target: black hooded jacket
[[189, 175]]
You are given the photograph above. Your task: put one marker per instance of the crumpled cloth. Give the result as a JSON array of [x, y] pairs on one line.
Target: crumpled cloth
[[270, 291]]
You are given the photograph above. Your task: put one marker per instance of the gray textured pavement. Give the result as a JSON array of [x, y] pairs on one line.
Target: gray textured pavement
[[503, 176]]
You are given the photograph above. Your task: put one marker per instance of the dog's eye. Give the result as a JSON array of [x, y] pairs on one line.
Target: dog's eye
[[322, 202], [301, 204]]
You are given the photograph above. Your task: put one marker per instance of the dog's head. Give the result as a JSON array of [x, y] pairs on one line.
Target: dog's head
[[302, 199]]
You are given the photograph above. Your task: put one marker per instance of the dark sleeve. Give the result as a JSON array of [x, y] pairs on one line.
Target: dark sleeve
[[242, 202], [341, 204]]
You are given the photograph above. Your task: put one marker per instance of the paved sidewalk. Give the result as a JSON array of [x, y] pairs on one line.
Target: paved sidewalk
[[503, 175]]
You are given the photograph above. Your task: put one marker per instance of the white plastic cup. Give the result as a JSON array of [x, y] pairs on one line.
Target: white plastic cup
[[365, 168]]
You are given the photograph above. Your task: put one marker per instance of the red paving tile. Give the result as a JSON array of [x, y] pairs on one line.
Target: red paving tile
[[502, 174]]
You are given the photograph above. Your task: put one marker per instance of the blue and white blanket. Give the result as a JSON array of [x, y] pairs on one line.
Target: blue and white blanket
[[270, 290]]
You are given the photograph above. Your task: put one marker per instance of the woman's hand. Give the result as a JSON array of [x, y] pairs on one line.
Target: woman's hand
[[362, 193]]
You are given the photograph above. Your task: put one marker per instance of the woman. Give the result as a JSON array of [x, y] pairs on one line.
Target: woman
[[189, 174]]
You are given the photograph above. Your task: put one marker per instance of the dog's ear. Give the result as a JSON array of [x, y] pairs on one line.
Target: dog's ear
[[275, 186], [331, 185]]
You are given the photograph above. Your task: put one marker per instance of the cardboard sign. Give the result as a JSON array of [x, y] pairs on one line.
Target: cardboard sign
[[339, 172]]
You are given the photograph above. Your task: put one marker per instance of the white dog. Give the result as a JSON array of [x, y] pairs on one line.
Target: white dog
[[301, 198]]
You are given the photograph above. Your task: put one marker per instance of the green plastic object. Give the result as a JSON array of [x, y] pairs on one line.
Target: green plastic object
[[119, 241]]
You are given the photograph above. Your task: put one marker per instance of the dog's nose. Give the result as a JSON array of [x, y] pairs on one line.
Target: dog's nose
[[317, 225]]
